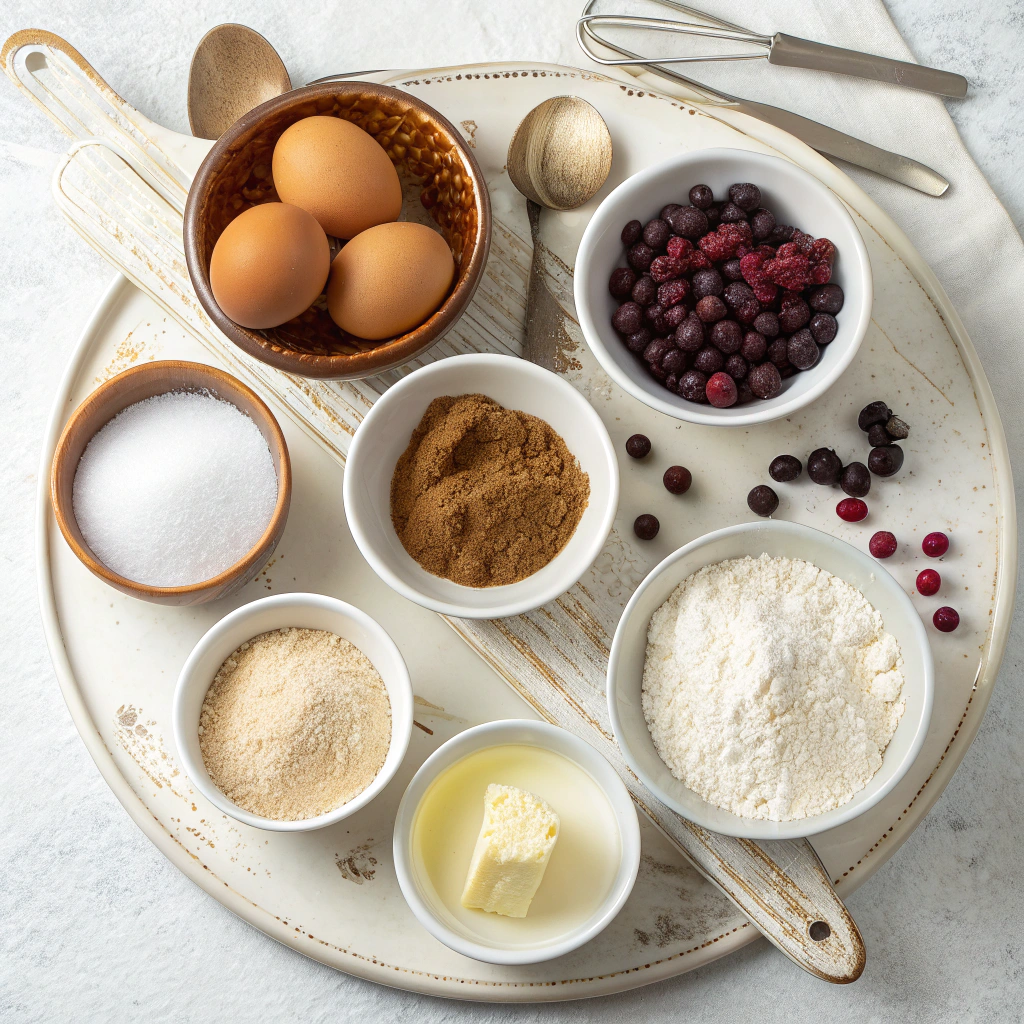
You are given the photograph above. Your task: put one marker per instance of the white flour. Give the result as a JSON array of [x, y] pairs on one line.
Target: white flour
[[771, 687]]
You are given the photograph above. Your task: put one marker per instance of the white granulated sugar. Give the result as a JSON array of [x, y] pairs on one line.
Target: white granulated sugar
[[175, 489], [771, 688]]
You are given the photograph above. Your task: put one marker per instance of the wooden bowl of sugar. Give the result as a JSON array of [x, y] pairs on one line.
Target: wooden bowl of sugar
[[144, 545]]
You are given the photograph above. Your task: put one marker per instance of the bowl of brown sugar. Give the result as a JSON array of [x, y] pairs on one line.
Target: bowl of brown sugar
[[481, 486]]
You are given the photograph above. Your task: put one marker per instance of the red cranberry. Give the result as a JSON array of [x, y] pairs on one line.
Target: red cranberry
[[708, 360], [677, 479], [701, 196], [935, 545], [883, 545], [628, 318], [620, 284], [656, 233], [765, 380], [928, 582], [631, 233], [745, 195], [721, 391], [645, 291], [727, 336], [754, 345], [711, 309], [736, 366], [851, 510], [646, 527], [692, 385], [671, 293], [946, 619], [667, 268]]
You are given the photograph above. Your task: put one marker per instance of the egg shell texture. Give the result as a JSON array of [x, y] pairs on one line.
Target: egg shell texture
[[389, 279], [269, 265], [338, 173]]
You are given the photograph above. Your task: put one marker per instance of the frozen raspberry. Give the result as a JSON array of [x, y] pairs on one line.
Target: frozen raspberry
[[803, 241], [721, 391], [723, 243], [671, 293], [691, 386], [765, 380], [946, 619], [821, 273], [851, 510], [788, 298], [665, 268], [679, 248], [935, 545], [928, 582], [752, 268], [792, 272], [620, 284], [698, 260], [882, 544], [766, 292]]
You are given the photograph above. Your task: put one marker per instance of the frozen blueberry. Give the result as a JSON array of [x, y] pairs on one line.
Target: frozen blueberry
[[631, 233], [827, 299], [801, 350], [823, 327], [701, 196], [785, 468], [856, 480], [707, 282], [628, 318], [762, 500], [767, 324], [656, 233], [620, 284], [727, 336], [765, 381], [745, 195]]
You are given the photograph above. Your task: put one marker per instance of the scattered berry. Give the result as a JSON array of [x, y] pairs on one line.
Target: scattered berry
[[824, 466], [785, 468], [946, 619], [928, 582], [856, 480], [885, 461], [677, 479], [851, 510], [876, 412], [638, 446], [878, 436], [646, 527], [762, 500], [935, 545], [897, 428], [883, 545], [720, 389]]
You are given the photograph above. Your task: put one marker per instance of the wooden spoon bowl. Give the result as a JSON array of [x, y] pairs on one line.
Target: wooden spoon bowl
[[135, 385], [443, 184]]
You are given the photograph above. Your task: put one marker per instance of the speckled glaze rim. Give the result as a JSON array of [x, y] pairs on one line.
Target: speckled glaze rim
[[341, 366]]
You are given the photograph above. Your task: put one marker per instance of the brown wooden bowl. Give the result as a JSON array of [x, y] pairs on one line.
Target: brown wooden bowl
[[134, 385], [441, 180]]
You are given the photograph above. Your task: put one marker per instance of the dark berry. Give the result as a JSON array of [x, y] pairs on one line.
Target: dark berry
[[754, 345], [689, 222], [645, 291], [745, 195], [690, 336], [897, 428], [655, 370], [782, 234], [946, 619], [935, 545], [736, 293], [707, 282], [767, 324], [731, 214], [801, 350], [628, 318], [708, 360], [794, 316], [878, 436], [731, 270], [824, 466], [638, 446], [667, 268], [882, 544], [631, 233], [721, 390], [762, 500], [856, 480], [744, 392], [677, 479], [823, 327], [671, 382], [692, 385], [711, 309], [827, 299], [656, 233], [673, 362], [885, 461], [736, 366], [762, 224], [653, 317], [671, 293], [701, 196], [851, 510], [666, 210], [713, 212], [777, 353], [876, 412], [639, 340], [656, 350], [928, 582], [765, 380], [640, 257], [785, 468], [747, 312], [620, 284], [727, 336], [646, 527], [675, 315]]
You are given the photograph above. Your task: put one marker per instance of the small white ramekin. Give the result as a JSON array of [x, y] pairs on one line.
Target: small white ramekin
[[778, 539], [549, 737], [795, 197], [305, 611], [384, 435]]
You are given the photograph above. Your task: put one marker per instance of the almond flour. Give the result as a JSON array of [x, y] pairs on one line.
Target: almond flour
[[296, 723]]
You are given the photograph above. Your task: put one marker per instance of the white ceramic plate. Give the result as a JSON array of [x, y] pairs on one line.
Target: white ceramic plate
[[780, 540]]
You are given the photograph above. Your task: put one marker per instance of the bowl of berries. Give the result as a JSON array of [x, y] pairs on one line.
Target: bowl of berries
[[723, 287]]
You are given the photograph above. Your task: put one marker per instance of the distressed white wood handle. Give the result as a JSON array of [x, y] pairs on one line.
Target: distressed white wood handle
[[123, 187]]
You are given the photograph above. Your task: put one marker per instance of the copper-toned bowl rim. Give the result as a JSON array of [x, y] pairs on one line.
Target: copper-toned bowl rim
[[340, 366], [224, 383]]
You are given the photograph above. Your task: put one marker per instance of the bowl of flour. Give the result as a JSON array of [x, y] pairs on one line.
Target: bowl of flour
[[769, 681]]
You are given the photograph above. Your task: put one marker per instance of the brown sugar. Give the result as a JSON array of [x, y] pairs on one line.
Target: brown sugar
[[485, 496]]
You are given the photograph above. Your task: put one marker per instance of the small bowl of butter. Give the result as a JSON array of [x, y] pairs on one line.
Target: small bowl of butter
[[516, 842]]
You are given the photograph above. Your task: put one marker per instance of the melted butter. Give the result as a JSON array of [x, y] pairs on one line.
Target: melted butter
[[583, 864]]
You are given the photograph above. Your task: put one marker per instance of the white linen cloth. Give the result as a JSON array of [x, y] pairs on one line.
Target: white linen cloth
[[97, 925]]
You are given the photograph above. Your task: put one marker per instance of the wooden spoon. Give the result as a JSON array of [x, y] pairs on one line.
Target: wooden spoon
[[233, 70]]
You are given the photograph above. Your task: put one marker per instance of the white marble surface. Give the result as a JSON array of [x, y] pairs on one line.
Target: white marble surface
[[96, 925]]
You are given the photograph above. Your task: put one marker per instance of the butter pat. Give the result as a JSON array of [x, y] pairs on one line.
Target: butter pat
[[516, 838]]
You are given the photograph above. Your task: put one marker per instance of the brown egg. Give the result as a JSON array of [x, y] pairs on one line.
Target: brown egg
[[269, 264], [389, 279], [338, 173]]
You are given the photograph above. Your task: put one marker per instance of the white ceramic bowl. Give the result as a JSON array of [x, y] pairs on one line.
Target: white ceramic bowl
[[795, 197], [779, 539], [384, 434], [531, 733], [308, 611]]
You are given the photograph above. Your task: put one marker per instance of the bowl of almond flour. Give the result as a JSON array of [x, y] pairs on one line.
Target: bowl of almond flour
[[293, 712], [769, 681]]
